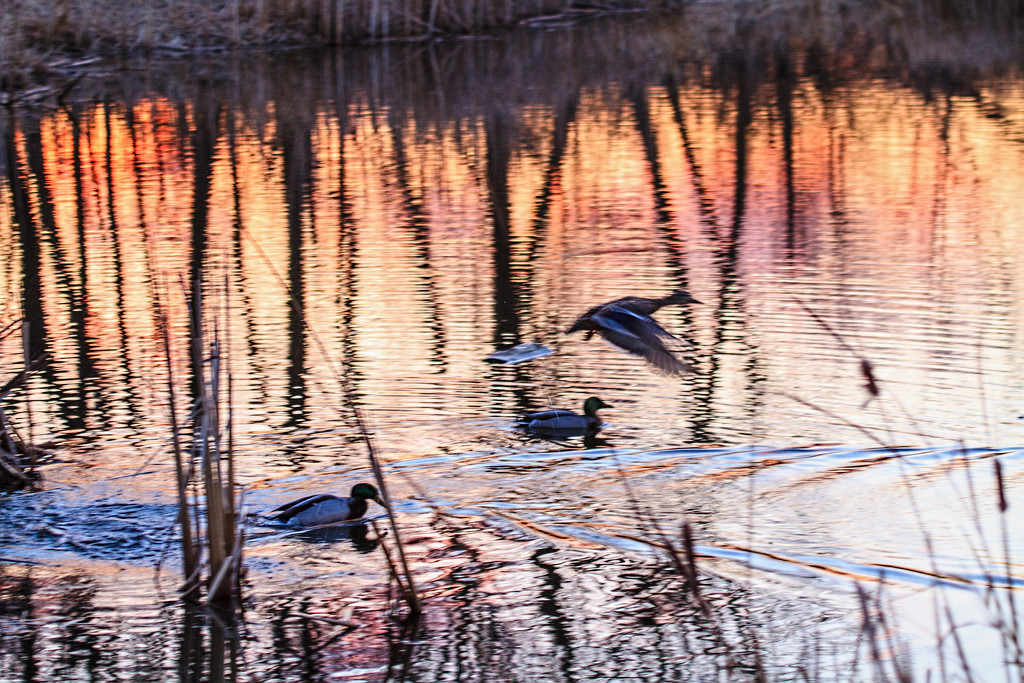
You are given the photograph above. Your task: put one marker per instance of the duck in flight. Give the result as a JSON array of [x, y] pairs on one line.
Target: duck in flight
[[324, 508], [644, 305], [627, 324], [564, 421]]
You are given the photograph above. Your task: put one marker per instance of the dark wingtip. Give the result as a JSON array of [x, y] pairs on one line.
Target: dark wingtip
[[576, 326]]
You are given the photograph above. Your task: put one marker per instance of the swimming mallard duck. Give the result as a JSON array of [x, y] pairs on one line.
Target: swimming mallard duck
[[627, 324], [562, 420], [324, 508]]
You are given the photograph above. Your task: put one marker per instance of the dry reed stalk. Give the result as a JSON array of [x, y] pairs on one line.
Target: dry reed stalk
[[16, 454], [690, 568], [409, 586], [872, 624], [236, 22], [188, 548], [34, 36], [231, 421], [685, 564], [392, 569], [1010, 628], [684, 560], [11, 475], [866, 368], [224, 539], [339, 21], [412, 597], [9, 328], [27, 355], [19, 379], [432, 17], [220, 522], [869, 629], [10, 438], [232, 566]]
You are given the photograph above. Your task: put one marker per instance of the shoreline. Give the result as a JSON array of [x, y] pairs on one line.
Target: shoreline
[[46, 47], [41, 66]]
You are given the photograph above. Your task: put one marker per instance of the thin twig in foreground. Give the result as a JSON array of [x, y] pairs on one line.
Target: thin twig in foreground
[[409, 587]]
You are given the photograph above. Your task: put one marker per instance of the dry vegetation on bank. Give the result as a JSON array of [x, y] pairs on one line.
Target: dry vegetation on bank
[[46, 46], [45, 40]]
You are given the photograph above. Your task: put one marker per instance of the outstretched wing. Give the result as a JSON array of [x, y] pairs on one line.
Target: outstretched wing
[[641, 336]]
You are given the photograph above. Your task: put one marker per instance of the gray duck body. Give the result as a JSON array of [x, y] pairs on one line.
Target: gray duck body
[[326, 508], [562, 420]]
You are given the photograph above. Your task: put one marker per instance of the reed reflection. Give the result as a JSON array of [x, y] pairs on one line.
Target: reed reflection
[[83, 645], [506, 292], [209, 645], [418, 223], [31, 235], [79, 404], [118, 267], [728, 314], [203, 140], [19, 637], [334, 150], [297, 156]]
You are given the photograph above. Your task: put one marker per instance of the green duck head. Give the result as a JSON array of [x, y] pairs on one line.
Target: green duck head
[[368, 492], [592, 405]]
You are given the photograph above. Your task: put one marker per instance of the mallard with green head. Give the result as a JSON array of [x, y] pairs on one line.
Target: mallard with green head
[[324, 508], [627, 324], [562, 420]]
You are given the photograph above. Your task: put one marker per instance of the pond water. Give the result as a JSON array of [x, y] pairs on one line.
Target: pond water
[[391, 216]]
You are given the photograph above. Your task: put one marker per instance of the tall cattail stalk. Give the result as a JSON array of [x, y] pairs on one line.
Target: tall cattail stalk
[[1010, 626], [220, 515], [189, 551], [222, 542]]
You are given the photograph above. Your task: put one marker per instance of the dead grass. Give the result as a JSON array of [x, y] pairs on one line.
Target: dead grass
[[43, 42], [37, 36], [46, 45]]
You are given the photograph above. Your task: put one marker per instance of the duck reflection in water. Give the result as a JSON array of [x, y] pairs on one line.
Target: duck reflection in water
[[627, 324], [562, 423], [356, 532]]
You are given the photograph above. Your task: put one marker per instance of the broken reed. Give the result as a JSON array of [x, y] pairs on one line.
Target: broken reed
[[18, 456], [408, 587], [223, 539]]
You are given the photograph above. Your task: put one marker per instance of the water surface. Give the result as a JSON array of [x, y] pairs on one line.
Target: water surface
[[835, 201]]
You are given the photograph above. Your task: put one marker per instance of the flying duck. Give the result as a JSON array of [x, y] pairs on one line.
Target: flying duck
[[627, 323]]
